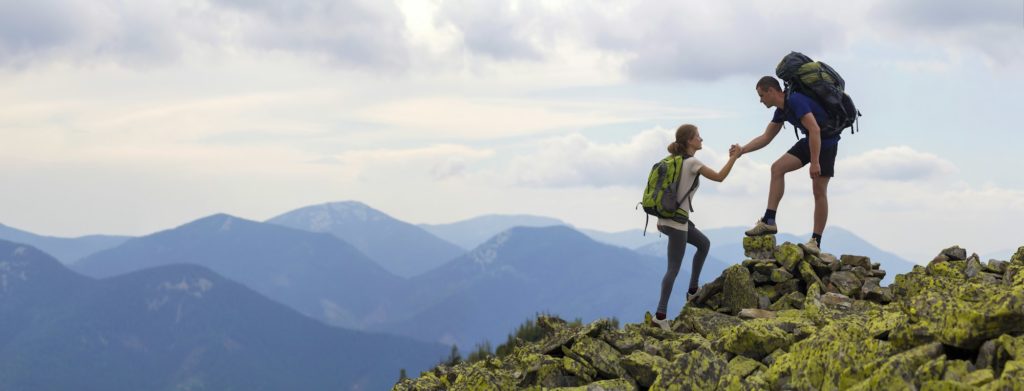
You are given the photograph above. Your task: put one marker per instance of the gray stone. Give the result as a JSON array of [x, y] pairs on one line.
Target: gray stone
[[954, 253], [738, 289], [855, 260], [848, 283]]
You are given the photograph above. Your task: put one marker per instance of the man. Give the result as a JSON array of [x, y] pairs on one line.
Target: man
[[815, 148]]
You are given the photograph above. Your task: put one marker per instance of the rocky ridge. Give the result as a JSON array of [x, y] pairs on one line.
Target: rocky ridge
[[785, 319]]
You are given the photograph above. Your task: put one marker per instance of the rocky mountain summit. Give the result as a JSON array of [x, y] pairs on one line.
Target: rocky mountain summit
[[787, 320]]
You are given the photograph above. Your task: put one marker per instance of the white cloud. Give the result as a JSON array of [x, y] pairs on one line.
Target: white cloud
[[992, 28], [441, 161], [574, 160], [898, 163]]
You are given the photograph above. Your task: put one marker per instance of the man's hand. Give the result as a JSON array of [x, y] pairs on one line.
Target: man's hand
[[815, 170], [735, 149]]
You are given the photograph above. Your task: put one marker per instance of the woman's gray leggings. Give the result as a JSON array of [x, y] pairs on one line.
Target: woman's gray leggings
[[677, 241]]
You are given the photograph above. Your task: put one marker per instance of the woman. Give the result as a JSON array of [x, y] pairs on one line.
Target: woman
[[687, 143]]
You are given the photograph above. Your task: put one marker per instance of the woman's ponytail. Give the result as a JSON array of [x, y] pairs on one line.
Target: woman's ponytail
[[683, 134]]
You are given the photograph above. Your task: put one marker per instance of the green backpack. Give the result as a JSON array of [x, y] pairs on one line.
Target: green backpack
[[660, 194], [824, 85]]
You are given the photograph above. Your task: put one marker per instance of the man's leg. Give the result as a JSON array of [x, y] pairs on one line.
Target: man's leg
[[820, 185], [785, 164]]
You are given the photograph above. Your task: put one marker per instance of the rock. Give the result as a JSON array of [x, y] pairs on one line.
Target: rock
[[780, 275], [955, 253], [737, 372], [707, 323], [789, 256], [756, 338], [996, 266], [750, 313], [913, 334], [643, 367], [738, 289], [967, 315], [552, 372], [759, 278], [855, 260], [848, 283], [758, 247], [873, 292], [898, 371], [599, 354], [973, 266], [787, 287], [764, 267], [808, 275], [837, 301], [698, 369], [793, 300], [1018, 256], [602, 385]]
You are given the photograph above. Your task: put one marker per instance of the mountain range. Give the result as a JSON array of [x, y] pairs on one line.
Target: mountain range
[[66, 250], [307, 259], [175, 327], [315, 273], [399, 247]]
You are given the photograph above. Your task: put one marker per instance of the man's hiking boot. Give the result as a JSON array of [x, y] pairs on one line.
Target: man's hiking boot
[[762, 228], [811, 247]]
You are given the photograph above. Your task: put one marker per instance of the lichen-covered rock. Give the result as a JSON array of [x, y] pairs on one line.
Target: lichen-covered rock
[[789, 256], [967, 315], [738, 289], [759, 247], [756, 338], [599, 355], [780, 275], [643, 367], [793, 300], [738, 370], [552, 372], [698, 369], [914, 334], [833, 355], [707, 323], [837, 301], [855, 260], [848, 283], [995, 353], [479, 378], [897, 372], [427, 381], [602, 385], [973, 267], [955, 253]]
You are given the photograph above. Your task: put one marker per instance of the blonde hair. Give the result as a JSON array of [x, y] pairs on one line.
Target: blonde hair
[[685, 133]]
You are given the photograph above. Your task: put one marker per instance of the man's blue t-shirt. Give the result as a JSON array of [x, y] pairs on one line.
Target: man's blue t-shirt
[[797, 106]]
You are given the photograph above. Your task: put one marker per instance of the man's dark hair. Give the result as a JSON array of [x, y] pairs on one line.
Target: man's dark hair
[[768, 82]]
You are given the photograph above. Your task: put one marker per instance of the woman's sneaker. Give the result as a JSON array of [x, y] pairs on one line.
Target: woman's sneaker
[[762, 228], [665, 324]]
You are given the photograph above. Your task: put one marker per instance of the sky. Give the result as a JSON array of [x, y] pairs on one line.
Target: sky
[[130, 117]]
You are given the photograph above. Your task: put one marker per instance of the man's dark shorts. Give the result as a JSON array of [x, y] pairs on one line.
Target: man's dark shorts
[[826, 157]]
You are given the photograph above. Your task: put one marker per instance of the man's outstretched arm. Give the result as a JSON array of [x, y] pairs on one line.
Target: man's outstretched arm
[[760, 141]]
